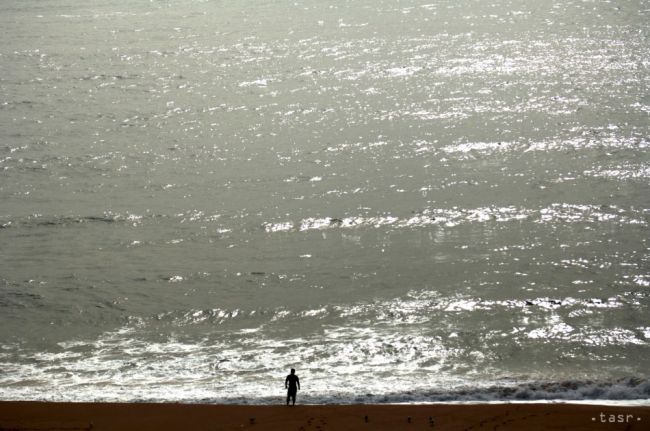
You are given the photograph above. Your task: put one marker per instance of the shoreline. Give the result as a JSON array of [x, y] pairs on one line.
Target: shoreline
[[39, 415]]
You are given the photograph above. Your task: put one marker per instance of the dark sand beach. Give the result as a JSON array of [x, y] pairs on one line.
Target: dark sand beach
[[145, 416]]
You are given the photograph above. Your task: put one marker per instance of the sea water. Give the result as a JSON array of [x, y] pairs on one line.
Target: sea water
[[407, 200]]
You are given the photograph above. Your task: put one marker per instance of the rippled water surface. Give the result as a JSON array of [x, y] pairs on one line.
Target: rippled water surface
[[404, 200]]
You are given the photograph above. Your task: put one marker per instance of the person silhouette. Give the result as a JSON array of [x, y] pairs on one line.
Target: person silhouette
[[292, 384]]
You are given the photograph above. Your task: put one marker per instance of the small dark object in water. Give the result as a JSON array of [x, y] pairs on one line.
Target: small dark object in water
[[366, 418]]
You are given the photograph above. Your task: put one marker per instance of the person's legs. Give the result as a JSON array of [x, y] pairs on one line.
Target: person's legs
[[291, 395]]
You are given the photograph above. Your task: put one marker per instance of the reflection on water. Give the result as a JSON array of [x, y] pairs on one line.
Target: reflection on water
[[434, 197]]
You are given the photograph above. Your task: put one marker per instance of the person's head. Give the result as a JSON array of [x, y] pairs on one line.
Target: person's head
[[293, 371]]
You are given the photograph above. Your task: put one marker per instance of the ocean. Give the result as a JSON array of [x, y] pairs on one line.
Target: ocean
[[405, 201]]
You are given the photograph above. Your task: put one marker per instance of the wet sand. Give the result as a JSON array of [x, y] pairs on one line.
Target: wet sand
[[144, 416]]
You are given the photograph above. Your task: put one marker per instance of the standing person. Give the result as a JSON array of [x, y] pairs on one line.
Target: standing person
[[292, 384]]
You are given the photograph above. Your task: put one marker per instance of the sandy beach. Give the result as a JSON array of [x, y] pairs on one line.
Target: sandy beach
[[407, 201], [145, 416]]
